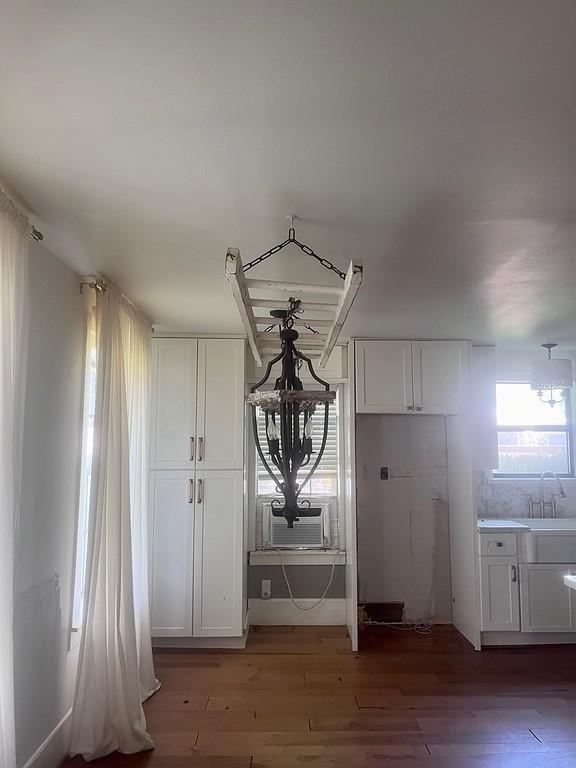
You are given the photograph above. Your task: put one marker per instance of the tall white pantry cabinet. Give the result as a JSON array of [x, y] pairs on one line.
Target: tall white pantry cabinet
[[196, 498]]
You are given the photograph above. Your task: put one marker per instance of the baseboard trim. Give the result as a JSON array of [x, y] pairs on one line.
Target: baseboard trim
[[281, 611], [54, 749], [234, 643], [528, 638]]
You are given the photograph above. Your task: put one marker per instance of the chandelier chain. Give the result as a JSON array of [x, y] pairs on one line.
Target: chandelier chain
[[326, 263]]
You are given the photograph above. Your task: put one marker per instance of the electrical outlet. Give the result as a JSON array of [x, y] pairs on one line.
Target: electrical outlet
[[266, 589]]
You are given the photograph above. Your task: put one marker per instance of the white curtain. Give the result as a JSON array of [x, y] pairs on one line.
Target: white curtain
[[14, 232], [115, 672]]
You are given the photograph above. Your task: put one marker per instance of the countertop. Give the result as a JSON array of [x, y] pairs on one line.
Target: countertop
[[501, 526], [570, 581], [550, 525]]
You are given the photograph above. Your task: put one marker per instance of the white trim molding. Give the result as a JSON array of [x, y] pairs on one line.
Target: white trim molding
[[54, 748], [297, 557], [235, 643], [282, 612]]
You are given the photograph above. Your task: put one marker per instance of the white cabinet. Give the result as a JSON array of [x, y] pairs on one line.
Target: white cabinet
[[547, 605], [499, 597], [218, 554], [384, 376], [171, 533], [411, 376], [220, 414], [196, 505], [174, 381], [439, 369], [197, 404]]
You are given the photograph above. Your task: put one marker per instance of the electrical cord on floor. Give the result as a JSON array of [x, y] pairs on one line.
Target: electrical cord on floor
[[330, 580], [420, 626]]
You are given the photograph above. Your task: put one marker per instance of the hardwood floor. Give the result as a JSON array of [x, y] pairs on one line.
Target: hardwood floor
[[298, 697]]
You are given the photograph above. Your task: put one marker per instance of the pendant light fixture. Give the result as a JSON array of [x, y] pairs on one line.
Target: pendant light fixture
[[288, 411], [289, 449], [551, 377]]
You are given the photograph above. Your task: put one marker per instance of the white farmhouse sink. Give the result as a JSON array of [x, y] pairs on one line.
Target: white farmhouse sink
[[549, 524], [549, 541]]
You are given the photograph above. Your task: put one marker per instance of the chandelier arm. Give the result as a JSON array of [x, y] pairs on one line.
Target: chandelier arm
[[260, 451], [320, 452], [268, 371]]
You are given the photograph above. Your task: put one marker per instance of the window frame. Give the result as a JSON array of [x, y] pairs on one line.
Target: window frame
[[567, 429]]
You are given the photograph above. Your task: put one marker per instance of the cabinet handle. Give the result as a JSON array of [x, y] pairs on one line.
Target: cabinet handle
[[199, 495], [514, 574], [409, 407], [190, 491], [418, 408], [200, 448], [191, 449]]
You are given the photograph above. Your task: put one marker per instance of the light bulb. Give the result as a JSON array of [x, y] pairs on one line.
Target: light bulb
[[273, 431], [308, 428]]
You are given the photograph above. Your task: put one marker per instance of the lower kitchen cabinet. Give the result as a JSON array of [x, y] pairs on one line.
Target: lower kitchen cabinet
[[196, 549], [499, 596], [218, 553], [547, 605]]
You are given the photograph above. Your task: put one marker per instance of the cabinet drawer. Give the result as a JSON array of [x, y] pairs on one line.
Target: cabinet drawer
[[497, 544]]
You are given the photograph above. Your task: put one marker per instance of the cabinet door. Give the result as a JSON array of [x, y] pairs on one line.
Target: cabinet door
[[547, 604], [499, 597], [384, 376], [218, 554], [173, 428], [220, 439], [171, 545], [439, 376]]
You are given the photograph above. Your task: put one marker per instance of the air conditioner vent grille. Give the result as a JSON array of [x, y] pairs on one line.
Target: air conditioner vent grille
[[309, 534]]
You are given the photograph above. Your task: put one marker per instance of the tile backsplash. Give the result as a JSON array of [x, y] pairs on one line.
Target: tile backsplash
[[506, 498]]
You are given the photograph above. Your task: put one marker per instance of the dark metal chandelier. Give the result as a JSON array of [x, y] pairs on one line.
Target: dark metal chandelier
[[288, 410]]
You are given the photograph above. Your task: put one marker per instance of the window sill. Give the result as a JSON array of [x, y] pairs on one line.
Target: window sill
[[297, 557]]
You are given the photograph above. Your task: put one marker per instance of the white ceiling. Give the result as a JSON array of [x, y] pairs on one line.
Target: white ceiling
[[434, 139]]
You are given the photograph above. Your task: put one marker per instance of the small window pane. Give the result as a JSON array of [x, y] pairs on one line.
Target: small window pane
[[528, 452], [518, 405]]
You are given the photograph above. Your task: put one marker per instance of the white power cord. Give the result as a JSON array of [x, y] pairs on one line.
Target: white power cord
[[292, 598]]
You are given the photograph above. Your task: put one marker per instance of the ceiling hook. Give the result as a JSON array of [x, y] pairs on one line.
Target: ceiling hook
[[291, 232]]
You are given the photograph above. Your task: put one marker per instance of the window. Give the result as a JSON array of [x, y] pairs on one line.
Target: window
[[85, 476], [532, 437], [324, 481]]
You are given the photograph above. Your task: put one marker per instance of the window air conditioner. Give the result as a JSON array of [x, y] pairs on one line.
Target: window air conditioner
[[308, 532]]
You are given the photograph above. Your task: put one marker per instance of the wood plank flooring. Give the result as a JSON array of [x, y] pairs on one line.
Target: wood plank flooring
[[297, 696]]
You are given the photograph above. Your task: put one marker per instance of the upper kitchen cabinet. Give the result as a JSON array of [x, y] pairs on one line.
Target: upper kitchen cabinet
[[197, 404], [174, 383], [384, 376], [439, 375], [220, 414], [411, 376]]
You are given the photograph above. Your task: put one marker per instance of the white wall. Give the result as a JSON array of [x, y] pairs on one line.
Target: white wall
[[44, 669]]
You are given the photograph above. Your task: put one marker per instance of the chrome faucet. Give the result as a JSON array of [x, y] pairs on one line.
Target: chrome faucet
[[541, 504]]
